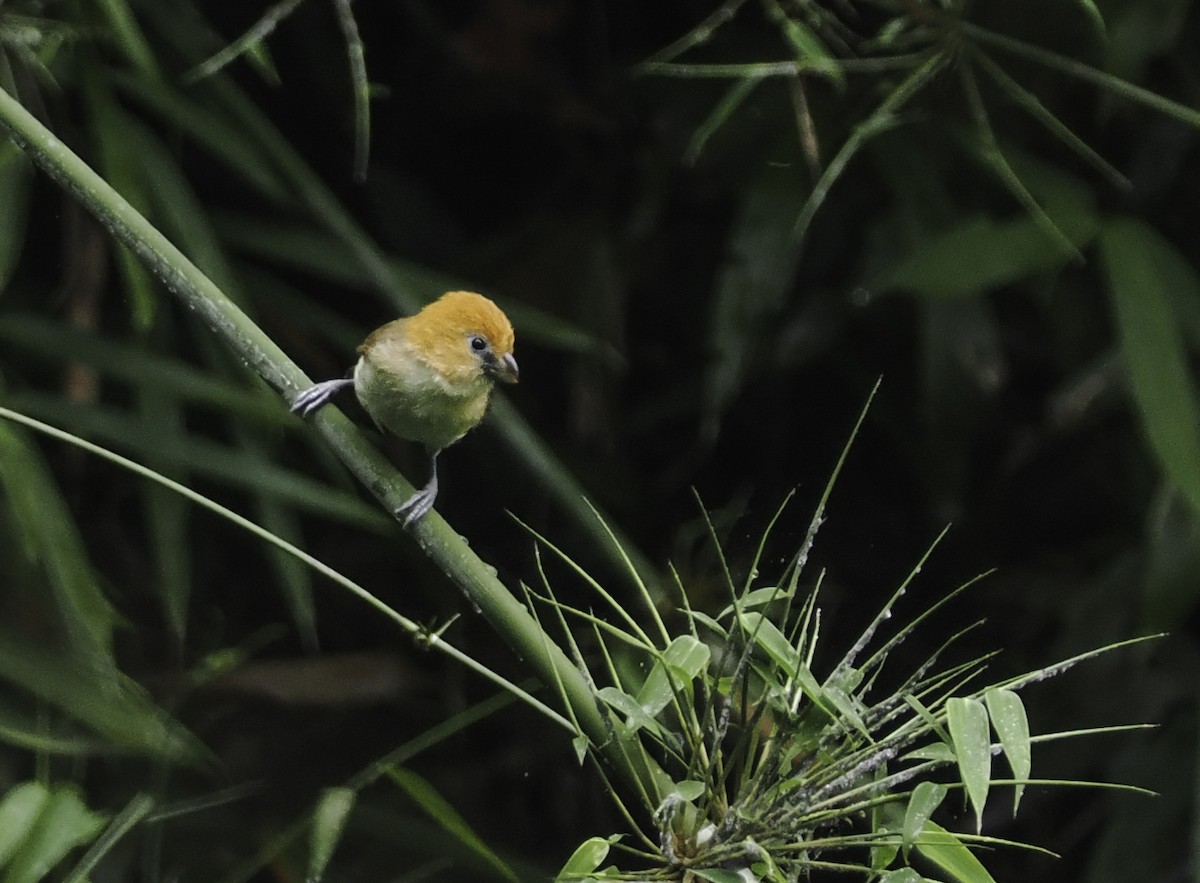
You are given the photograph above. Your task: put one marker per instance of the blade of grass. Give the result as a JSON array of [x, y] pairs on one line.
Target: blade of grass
[[255, 34], [879, 121], [408, 625], [1033, 105], [995, 159], [1085, 73]]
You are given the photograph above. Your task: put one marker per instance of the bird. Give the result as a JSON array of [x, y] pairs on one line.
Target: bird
[[428, 378]]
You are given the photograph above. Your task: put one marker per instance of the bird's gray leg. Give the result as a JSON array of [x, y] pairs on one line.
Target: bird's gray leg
[[422, 501], [318, 394]]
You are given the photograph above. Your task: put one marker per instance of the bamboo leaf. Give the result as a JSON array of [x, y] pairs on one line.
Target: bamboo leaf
[[19, 811], [98, 696], [63, 823], [1012, 726], [975, 256], [587, 858], [901, 875], [926, 798], [329, 820], [1144, 272], [967, 720], [51, 534], [951, 856]]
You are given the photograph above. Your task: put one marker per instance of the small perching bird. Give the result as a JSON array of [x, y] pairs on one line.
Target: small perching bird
[[428, 378]]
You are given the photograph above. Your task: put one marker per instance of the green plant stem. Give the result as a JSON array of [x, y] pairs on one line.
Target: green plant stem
[[1087, 73], [415, 629], [436, 538], [516, 433]]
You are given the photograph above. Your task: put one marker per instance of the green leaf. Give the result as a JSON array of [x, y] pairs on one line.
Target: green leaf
[[938, 751], [887, 819], [717, 875], [901, 875], [681, 662], [97, 695], [580, 743], [926, 798], [690, 789], [585, 859], [772, 641], [708, 622], [968, 724], [1144, 272], [19, 811], [63, 823], [950, 855], [848, 707], [51, 534], [445, 815], [1012, 726], [975, 256], [927, 716], [31, 733], [756, 598], [329, 820], [636, 716]]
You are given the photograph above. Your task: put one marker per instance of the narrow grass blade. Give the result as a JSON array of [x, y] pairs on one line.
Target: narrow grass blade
[[134, 812], [436, 806]]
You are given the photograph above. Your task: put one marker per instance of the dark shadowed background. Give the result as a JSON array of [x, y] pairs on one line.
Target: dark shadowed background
[[683, 331]]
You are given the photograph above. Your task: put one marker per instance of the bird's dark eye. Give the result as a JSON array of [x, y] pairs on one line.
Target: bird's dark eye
[[478, 343]]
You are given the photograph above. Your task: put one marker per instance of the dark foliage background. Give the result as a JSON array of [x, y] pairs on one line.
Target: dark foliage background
[[673, 334]]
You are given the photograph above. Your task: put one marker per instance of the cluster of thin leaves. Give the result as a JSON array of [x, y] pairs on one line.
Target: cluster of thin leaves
[[902, 51], [918, 40], [776, 771]]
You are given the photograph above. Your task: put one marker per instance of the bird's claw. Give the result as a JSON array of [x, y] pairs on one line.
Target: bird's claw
[[317, 395], [416, 506]]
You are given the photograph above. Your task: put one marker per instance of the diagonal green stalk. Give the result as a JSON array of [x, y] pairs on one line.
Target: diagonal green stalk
[[1084, 72], [435, 537], [415, 629], [516, 433]]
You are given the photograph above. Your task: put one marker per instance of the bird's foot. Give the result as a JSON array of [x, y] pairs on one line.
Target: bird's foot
[[416, 506], [317, 395]]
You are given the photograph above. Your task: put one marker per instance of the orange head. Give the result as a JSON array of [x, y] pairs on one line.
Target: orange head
[[462, 336]]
